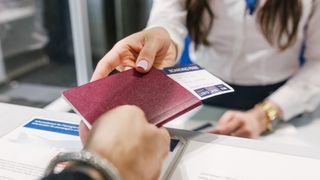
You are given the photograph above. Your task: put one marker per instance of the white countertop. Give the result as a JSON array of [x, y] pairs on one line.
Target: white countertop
[[219, 152], [303, 131]]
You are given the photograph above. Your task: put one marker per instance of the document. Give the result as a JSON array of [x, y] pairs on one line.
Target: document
[[162, 95], [206, 161], [27, 151]]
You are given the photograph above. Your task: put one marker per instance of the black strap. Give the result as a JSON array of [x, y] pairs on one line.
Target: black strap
[[68, 175]]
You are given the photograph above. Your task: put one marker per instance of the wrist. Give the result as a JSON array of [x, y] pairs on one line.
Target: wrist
[[275, 106], [91, 163], [84, 169], [173, 47], [125, 171], [272, 113], [261, 118]]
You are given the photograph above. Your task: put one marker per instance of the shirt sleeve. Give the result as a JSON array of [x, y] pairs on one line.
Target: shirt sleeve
[[171, 15], [302, 92]]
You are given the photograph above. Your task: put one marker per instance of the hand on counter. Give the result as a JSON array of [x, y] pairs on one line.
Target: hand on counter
[[248, 124]]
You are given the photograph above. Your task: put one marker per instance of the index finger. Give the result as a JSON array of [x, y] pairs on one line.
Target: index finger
[[225, 118], [229, 127], [107, 64]]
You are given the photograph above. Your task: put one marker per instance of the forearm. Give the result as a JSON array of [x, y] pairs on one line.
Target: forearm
[[170, 15], [301, 93]]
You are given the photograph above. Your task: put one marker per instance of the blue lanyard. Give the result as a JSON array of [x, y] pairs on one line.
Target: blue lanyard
[[251, 6]]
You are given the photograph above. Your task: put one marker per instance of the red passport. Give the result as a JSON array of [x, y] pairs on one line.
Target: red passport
[[161, 98]]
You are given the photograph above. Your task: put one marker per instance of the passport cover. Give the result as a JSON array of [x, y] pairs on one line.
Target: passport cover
[[161, 98]]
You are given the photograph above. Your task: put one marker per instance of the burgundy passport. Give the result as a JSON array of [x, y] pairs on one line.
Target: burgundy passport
[[161, 98]]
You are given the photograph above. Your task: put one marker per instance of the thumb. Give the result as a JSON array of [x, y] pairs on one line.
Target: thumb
[[152, 48], [146, 57]]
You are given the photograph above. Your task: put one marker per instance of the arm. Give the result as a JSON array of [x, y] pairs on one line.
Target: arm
[[302, 92], [159, 45], [171, 15], [299, 95]]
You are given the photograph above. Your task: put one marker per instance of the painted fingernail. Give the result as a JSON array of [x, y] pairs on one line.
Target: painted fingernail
[[143, 64]]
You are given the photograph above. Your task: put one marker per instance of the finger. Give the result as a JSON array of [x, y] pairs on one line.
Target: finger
[[151, 49], [120, 68], [83, 132], [228, 127], [127, 68], [127, 63], [226, 117], [242, 132], [107, 64]]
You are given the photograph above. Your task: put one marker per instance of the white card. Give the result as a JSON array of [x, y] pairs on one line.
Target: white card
[[198, 81]]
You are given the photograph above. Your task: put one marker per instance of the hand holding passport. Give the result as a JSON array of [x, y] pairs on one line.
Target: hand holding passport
[[161, 97]]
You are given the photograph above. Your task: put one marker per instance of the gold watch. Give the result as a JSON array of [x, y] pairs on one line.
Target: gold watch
[[272, 114]]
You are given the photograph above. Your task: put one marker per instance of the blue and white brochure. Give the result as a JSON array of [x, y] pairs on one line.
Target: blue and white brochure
[[27, 150]]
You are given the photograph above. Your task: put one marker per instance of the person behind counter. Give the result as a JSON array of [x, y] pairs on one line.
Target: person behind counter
[[252, 45]]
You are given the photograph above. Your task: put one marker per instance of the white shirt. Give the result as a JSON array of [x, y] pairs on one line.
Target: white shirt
[[240, 54]]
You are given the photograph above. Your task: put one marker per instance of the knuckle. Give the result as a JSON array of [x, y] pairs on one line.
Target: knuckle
[[129, 107], [246, 130], [120, 43], [229, 112], [102, 64], [156, 39], [146, 55], [166, 136], [224, 130], [242, 122], [151, 135], [237, 114]]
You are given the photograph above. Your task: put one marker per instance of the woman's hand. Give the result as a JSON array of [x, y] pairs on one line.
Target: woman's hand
[[142, 50], [152, 47], [135, 147], [249, 124]]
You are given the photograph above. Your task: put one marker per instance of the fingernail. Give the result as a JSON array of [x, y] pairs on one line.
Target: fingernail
[[143, 64]]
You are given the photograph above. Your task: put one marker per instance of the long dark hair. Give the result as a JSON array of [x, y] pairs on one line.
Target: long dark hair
[[278, 21]]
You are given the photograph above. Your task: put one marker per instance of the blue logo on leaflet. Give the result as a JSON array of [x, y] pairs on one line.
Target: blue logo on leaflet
[[54, 126], [222, 87], [202, 92], [182, 69], [207, 91]]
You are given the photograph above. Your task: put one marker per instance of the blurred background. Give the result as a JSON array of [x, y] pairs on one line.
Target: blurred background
[[36, 45]]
